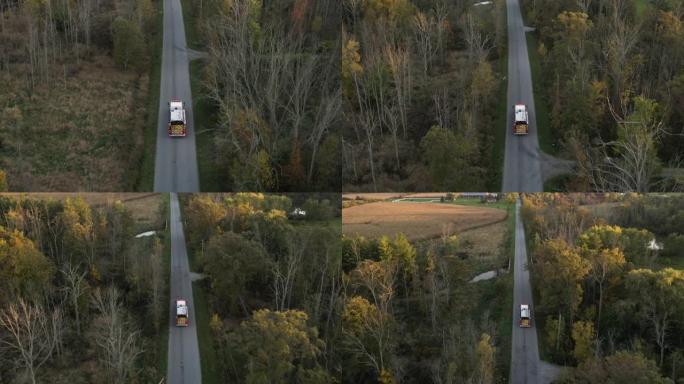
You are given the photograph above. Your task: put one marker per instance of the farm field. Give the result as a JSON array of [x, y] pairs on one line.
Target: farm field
[[417, 221]]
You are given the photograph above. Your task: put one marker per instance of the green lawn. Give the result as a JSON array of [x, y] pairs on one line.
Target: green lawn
[[146, 175], [501, 204]]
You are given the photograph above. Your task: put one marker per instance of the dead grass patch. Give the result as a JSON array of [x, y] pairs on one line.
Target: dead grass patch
[[484, 244], [603, 210], [418, 221], [82, 132]]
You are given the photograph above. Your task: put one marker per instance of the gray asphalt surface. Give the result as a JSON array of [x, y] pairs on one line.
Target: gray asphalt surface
[[522, 170], [175, 165], [524, 346], [184, 359], [526, 368]]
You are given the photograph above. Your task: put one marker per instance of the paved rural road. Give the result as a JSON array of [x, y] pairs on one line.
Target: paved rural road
[[175, 165], [184, 359], [526, 368], [522, 170]]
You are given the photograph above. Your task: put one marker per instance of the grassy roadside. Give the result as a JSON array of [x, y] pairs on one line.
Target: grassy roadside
[[145, 180], [192, 37], [557, 183], [547, 142], [204, 337], [500, 128], [211, 177], [204, 114], [163, 339]]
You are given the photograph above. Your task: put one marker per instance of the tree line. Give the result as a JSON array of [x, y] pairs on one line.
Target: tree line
[[272, 79], [81, 300], [45, 40], [420, 83], [607, 301], [613, 82], [271, 281]]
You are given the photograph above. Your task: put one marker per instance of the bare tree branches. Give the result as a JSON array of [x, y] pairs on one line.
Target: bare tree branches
[[426, 31], [478, 43], [620, 43], [399, 62], [628, 163], [74, 289], [34, 334], [117, 341], [271, 73]]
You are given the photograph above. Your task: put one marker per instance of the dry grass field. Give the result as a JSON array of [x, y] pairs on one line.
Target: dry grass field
[[603, 210], [417, 221], [82, 132], [484, 243]]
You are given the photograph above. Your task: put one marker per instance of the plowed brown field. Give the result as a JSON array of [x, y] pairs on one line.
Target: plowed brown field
[[416, 220]]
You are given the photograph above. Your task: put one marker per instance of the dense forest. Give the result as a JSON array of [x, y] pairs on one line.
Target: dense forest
[[291, 303], [411, 314], [608, 273], [272, 282], [612, 82], [75, 77], [81, 299], [422, 85], [271, 82]]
